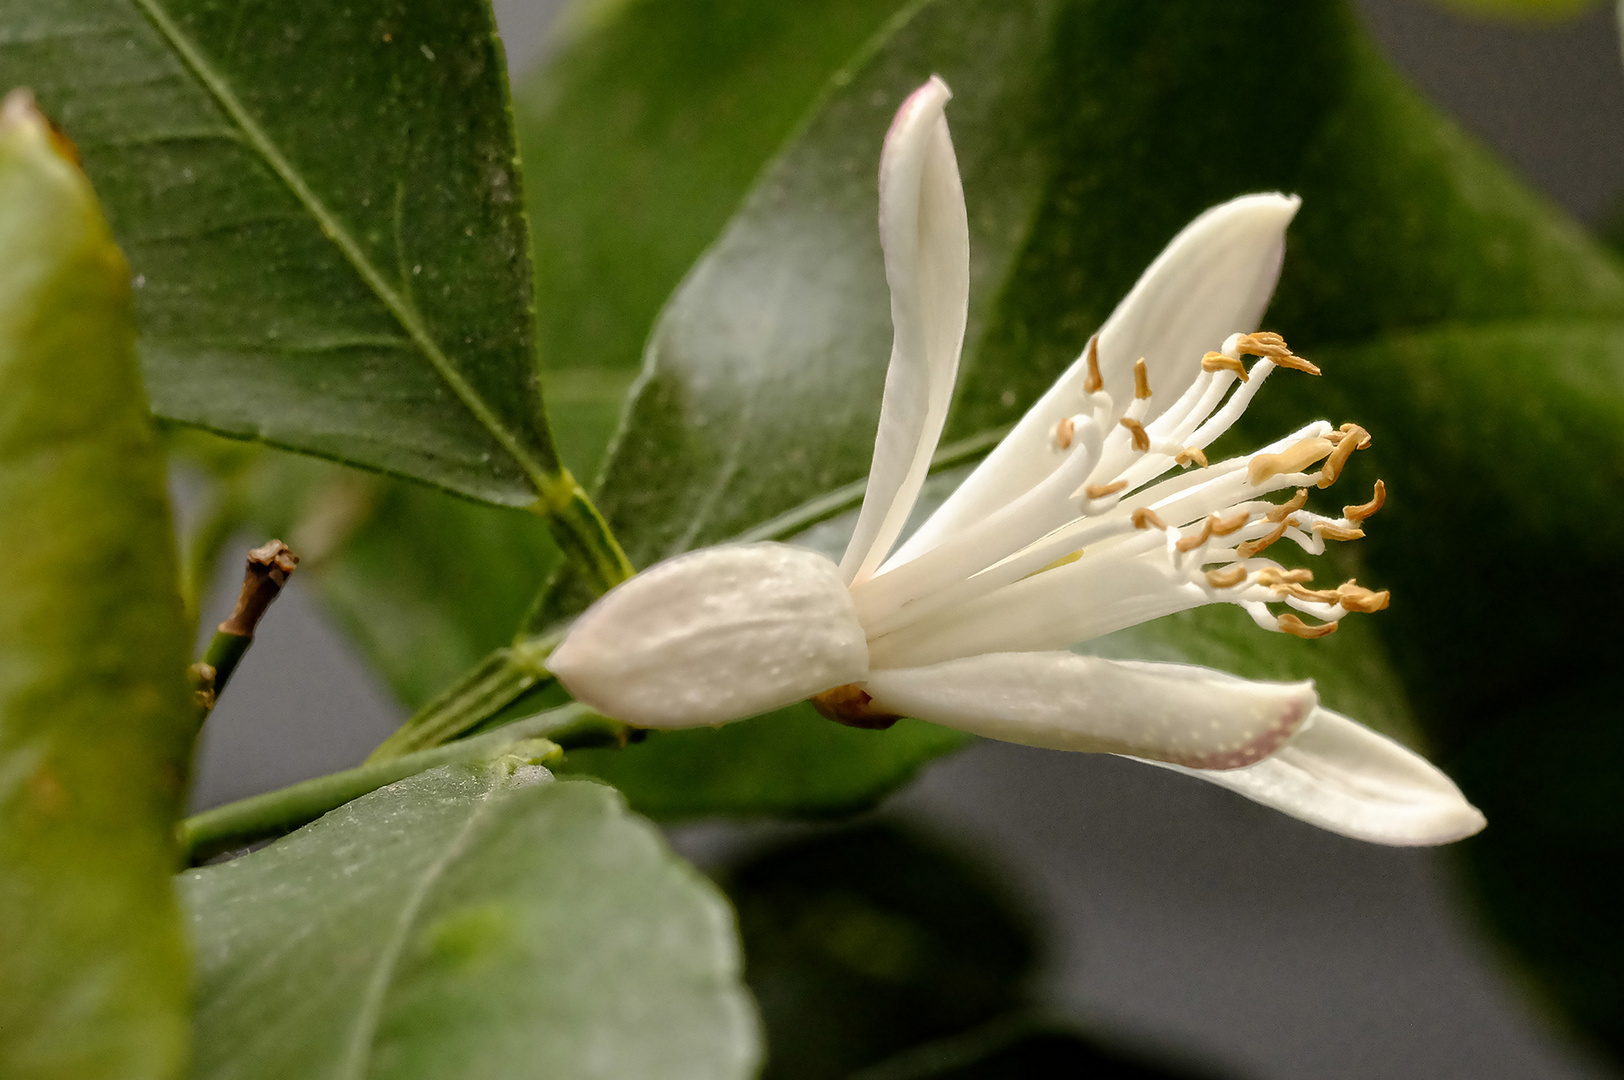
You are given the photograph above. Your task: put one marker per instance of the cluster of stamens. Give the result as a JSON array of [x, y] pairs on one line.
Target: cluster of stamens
[[1219, 550]]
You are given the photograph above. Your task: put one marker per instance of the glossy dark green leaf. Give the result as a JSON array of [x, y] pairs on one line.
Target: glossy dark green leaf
[[96, 720], [325, 216], [478, 921], [639, 139], [791, 763]]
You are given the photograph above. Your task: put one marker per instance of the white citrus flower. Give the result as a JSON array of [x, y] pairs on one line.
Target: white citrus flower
[[1070, 529]]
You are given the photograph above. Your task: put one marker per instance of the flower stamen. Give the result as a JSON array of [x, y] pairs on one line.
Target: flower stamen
[[1217, 361], [1357, 514], [1146, 518], [1294, 626], [1141, 440], [1095, 381], [1273, 576], [1228, 577], [1353, 437], [1192, 453], [1293, 459], [1333, 531], [1272, 346], [1355, 597], [1063, 432], [1286, 509], [1102, 491], [1141, 379], [1251, 547]]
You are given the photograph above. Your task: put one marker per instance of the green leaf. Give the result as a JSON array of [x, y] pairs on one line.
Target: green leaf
[[96, 720], [642, 135], [325, 216], [790, 763], [472, 921]]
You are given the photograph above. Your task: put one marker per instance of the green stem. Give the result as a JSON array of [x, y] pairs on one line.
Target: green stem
[[277, 813], [583, 535], [497, 681], [224, 653]]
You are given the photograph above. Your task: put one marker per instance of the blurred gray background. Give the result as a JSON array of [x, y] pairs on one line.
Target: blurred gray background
[[1183, 920]]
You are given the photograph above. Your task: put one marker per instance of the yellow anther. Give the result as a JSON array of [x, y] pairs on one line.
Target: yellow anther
[[1318, 596], [1294, 626], [1228, 577], [1293, 459], [1095, 382], [1332, 531], [1217, 361], [1353, 438], [1355, 597], [1192, 453], [1190, 543], [1214, 526], [1063, 432], [1357, 514], [1145, 518], [1141, 379], [1251, 547], [1273, 346], [1288, 508], [1141, 441], [1274, 576], [1101, 491]]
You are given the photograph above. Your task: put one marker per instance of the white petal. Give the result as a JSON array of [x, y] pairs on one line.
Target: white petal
[[715, 635], [926, 237], [1214, 279], [1059, 700], [1341, 776]]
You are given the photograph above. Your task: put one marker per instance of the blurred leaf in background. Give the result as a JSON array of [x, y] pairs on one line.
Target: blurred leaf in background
[[641, 135], [477, 921], [96, 720], [876, 953], [1539, 11]]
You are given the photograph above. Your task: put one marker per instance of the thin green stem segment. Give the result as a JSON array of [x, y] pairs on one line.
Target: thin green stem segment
[[276, 813], [224, 653], [583, 535], [484, 691]]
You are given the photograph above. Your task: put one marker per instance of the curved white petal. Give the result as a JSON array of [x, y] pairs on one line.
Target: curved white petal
[[1214, 279], [926, 237], [715, 635], [1061, 701], [1341, 776]]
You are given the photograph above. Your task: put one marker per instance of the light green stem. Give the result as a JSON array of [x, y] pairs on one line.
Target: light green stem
[[484, 691], [583, 535], [276, 813]]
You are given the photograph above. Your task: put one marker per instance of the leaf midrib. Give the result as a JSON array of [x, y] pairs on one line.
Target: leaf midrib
[[541, 479], [358, 1052]]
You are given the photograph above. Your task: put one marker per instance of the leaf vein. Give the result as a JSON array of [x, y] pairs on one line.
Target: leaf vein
[[192, 56]]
